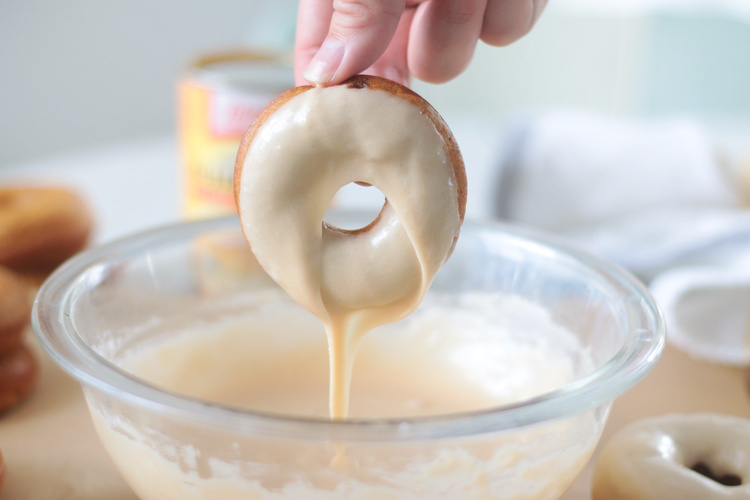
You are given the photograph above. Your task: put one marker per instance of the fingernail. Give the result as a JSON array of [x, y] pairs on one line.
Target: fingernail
[[325, 63]]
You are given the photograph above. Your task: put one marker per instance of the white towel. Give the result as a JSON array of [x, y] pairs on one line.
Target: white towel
[[655, 198]]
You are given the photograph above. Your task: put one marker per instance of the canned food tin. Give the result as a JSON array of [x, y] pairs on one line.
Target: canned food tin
[[218, 99]]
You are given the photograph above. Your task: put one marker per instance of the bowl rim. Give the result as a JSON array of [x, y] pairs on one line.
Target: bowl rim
[[56, 333]]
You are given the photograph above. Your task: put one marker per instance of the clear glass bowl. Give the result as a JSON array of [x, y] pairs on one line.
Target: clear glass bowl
[[107, 302]]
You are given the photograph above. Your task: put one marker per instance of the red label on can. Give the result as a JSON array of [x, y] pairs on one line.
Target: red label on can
[[231, 113]]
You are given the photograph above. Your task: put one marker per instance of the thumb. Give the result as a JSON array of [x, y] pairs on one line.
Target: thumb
[[359, 33]]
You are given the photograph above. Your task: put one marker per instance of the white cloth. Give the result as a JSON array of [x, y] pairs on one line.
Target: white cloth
[[652, 197]]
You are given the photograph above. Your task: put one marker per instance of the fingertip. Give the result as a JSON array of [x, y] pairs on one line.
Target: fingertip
[[436, 68], [507, 22], [366, 29], [443, 37], [302, 59], [392, 64], [433, 76], [323, 66]]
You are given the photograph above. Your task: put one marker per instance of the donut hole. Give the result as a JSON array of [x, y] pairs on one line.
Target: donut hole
[[366, 199], [704, 469]]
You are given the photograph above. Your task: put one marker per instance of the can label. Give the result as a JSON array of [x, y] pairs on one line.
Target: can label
[[214, 114], [231, 112]]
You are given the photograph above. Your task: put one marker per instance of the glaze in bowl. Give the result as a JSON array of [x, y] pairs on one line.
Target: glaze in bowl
[[108, 301]]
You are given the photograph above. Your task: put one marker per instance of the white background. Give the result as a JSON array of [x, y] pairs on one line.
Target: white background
[[85, 73]]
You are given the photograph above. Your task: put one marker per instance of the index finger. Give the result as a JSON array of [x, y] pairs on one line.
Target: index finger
[[360, 32], [313, 22]]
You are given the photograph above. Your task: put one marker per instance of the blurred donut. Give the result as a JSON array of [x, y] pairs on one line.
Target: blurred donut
[[19, 372], [3, 471], [41, 227], [15, 310]]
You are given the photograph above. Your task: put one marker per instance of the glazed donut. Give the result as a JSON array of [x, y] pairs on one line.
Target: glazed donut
[[40, 228], [691, 457], [19, 372], [311, 141], [15, 310]]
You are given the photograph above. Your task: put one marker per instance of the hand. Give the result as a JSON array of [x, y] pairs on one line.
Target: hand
[[433, 40]]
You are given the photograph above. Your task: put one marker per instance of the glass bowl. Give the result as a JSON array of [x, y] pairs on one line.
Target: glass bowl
[[107, 303]]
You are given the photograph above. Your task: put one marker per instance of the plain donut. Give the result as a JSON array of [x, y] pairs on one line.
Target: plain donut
[[18, 365], [19, 373], [3, 471], [688, 457], [15, 310], [40, 228], [306, 145]]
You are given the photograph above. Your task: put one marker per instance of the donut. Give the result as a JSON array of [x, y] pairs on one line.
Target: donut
[[15, 310], [698, 456], [18, 366], [19, 372], [311, 141], [3, 471], [41, 227]]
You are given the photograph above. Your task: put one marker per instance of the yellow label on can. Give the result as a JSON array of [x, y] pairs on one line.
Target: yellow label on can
[[214, 113]]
